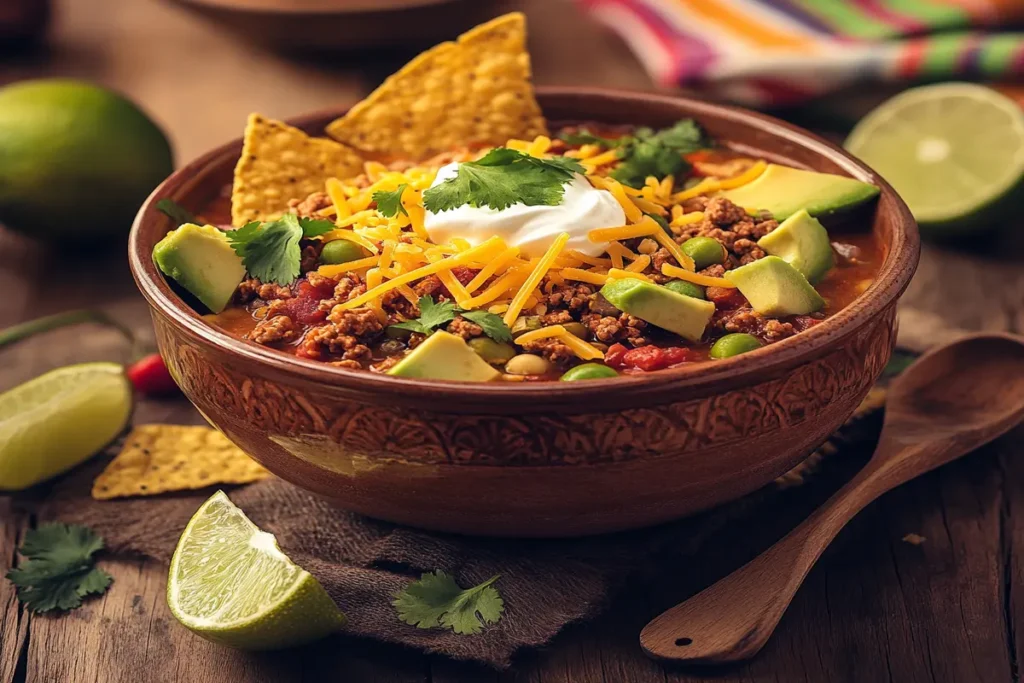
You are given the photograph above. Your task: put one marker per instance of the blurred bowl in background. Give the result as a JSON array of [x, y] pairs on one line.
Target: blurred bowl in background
[[337, 25]]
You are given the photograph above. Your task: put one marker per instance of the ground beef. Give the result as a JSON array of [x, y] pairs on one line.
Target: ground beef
[[552, 349], [746, 321], [348, 364], [252, 288], [311, 204], [466, 329], [775, 330], [398, 308], [279, 328], [330, 339], [428, 286], [348, 287], [310, 260], [574, 296], [734, 228], [556, 318], [360, 322], [611, 329]]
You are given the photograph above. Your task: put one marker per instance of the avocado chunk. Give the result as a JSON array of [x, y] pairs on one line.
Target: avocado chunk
[[802, 242], [444, 356], [684, 315], [775, 288], [200, 259], [783, 191]]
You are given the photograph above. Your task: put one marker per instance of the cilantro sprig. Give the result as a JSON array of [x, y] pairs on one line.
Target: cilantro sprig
[[437, 601], [501, 178], [585, 137], [59, 568], [270, 251], [434, 315], [657, 153], [389, 203]]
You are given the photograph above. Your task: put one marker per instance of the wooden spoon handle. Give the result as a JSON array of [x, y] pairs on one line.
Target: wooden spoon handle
[[732, 619]]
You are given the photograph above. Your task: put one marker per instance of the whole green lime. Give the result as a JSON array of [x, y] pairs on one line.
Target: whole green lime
[[76, 161]]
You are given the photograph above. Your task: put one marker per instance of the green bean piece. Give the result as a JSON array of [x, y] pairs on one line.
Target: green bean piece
[[491, 351], [588, 371], [733, 345], [704, 251], [341, 251], [686, 288]]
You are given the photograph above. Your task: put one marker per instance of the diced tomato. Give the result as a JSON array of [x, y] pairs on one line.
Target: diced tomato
[[304, 307], [646, 358], [679, 354], [697, 157], [613, 356], [725, 297]]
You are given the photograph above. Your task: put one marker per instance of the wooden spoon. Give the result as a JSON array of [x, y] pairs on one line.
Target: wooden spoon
[[948, 403]]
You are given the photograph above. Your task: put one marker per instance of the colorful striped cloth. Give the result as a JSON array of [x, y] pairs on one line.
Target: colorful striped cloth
[[771, 52]]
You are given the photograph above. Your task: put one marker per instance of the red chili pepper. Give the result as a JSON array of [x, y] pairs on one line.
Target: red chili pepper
[[150, 377]]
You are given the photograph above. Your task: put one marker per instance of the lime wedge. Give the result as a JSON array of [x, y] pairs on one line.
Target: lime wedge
[[953, 151], [57, 420], [231, 584]]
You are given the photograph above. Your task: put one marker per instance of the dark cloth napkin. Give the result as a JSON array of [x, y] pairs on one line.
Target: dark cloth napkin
[[364, 563]]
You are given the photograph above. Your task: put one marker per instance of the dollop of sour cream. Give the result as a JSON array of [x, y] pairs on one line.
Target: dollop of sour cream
[[531, 228]]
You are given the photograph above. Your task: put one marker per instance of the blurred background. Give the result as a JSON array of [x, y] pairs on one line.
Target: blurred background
[[196, 68]]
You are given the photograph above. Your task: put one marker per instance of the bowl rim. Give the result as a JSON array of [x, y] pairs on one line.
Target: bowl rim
[[892, 279]]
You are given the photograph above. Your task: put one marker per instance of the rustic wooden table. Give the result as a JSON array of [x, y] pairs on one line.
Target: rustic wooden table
[[876, 608]]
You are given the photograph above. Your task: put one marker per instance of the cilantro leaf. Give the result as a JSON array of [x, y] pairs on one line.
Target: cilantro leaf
[[390, 203], [314, 227], [658, 154], [178, 213], [585, 137], [501, 178], [270, 251], [494, 326], [432, 316], [59, 569], [437, 601]]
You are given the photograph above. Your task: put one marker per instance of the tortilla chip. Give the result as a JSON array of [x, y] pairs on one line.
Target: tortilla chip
[[280, 163], [161, 458], [475, 91]]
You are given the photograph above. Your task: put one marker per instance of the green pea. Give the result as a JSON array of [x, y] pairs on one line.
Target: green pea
[[491, 351], [341, 251], [704, 251], [588, 371], [686, 288], [733, 345]]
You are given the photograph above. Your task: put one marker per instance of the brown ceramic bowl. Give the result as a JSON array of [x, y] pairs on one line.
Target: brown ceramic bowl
[[544, 459]]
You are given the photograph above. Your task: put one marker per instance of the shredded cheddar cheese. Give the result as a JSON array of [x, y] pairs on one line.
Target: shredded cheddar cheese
[[616, 274], [534, 278], [430, 269], [581, 348], [695, 278]]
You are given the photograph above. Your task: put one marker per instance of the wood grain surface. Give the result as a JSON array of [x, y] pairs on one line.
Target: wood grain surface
[[875, 608]]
